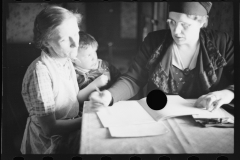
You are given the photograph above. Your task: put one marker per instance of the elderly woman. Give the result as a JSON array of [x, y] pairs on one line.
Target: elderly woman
[[50, 87], [187, 59]]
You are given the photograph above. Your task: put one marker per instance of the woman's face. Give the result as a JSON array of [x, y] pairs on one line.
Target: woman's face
[[87, 58], [184, 29], [64, 41]]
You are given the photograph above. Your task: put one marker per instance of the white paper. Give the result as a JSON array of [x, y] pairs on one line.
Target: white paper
[[219, 113], [124, 113], [139, 130], [178, 106]]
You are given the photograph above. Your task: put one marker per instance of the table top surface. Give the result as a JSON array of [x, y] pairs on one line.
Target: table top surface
[[184, 136]]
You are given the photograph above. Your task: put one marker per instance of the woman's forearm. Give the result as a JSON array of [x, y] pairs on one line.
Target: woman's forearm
[[66, 126], [123, 89], [84, 93]]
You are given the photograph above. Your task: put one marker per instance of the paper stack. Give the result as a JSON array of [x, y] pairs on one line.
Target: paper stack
[[136, 118]]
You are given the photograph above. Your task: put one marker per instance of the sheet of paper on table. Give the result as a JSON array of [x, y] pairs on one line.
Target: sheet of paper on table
[[220, 113], [134, 121], [139, 130], [178, 106], [134, 118]]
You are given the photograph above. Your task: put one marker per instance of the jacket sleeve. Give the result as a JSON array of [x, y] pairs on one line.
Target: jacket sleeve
[[226, 48], [225, 75], [136, 77], [230, 60], [114, 73]]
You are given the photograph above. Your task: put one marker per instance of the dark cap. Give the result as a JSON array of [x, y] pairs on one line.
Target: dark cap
[[191, 8]]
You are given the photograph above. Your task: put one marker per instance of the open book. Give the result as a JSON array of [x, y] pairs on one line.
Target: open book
[[135, 112]]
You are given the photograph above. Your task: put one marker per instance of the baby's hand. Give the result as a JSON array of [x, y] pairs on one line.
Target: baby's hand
[[101, 81]]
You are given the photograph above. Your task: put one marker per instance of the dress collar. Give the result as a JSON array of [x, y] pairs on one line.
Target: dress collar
[[81, 70], [85, 71], [208, 55], [177, 60]]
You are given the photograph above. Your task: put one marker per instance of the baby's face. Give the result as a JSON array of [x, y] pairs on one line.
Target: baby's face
[[88, 58]]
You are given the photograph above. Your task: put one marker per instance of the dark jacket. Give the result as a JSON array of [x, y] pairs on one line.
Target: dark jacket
[[215, 65]]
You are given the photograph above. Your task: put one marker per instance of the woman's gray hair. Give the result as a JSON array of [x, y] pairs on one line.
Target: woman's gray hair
[[47, 20], [201, 19]]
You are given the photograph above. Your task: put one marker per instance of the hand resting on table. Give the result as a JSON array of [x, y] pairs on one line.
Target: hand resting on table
[[214, 100]]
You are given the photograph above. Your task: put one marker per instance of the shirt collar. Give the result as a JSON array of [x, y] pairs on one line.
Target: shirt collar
[[177, 61]]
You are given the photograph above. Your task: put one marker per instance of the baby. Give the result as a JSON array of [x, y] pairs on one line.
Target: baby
[[92, 72]]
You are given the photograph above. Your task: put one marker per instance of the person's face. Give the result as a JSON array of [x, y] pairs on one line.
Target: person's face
[[184, 29], [87, 58], [65, 38]]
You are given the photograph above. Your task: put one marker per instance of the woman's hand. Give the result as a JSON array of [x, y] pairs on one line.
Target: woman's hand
[[101, 100], [84, 93], [214, 100], [101, 81]]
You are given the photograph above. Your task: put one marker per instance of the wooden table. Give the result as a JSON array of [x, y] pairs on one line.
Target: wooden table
[[184, 136]]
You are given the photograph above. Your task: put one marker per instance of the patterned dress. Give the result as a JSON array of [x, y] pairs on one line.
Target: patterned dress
[[49, 88]]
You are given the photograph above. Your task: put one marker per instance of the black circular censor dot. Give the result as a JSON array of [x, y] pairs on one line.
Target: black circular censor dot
[[156, 99]]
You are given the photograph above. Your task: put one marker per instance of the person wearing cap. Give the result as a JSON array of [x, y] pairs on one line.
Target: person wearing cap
[[187, 60]]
